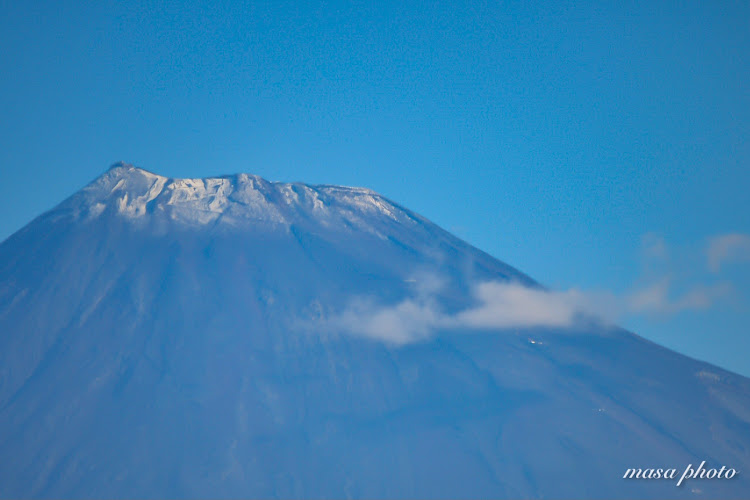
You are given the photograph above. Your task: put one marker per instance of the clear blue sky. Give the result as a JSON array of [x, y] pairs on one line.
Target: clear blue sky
[[596, 145]]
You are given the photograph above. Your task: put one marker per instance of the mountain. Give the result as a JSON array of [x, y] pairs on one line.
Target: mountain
[[234, 337]]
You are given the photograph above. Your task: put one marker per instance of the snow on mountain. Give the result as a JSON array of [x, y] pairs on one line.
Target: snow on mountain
[[237, 200], [171, 338]]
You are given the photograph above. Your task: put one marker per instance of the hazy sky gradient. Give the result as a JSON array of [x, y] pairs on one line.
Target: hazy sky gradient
[[601, 146]]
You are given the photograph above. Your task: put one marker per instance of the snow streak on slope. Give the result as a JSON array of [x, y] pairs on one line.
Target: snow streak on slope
[[150, 347]]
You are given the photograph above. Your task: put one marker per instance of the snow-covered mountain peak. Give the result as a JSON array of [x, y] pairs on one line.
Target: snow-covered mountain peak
[[135, 194]]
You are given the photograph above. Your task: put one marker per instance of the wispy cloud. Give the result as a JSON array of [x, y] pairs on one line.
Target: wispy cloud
[[658, 298], [408, 321], [503, 306], [727, 247], [511, 305], [497, 306]]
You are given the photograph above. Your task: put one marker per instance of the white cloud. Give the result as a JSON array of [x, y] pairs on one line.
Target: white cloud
[[498, 306], [508, 305], [407, 321], [503, 306], [727, 247]]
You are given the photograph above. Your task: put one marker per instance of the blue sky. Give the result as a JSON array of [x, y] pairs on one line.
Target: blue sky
[[598, 146]]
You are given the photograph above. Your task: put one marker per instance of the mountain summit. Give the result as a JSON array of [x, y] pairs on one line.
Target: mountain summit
[[234, 337], [235, 199]]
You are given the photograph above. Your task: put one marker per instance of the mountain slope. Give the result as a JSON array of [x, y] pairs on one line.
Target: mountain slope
[[168, 338]]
